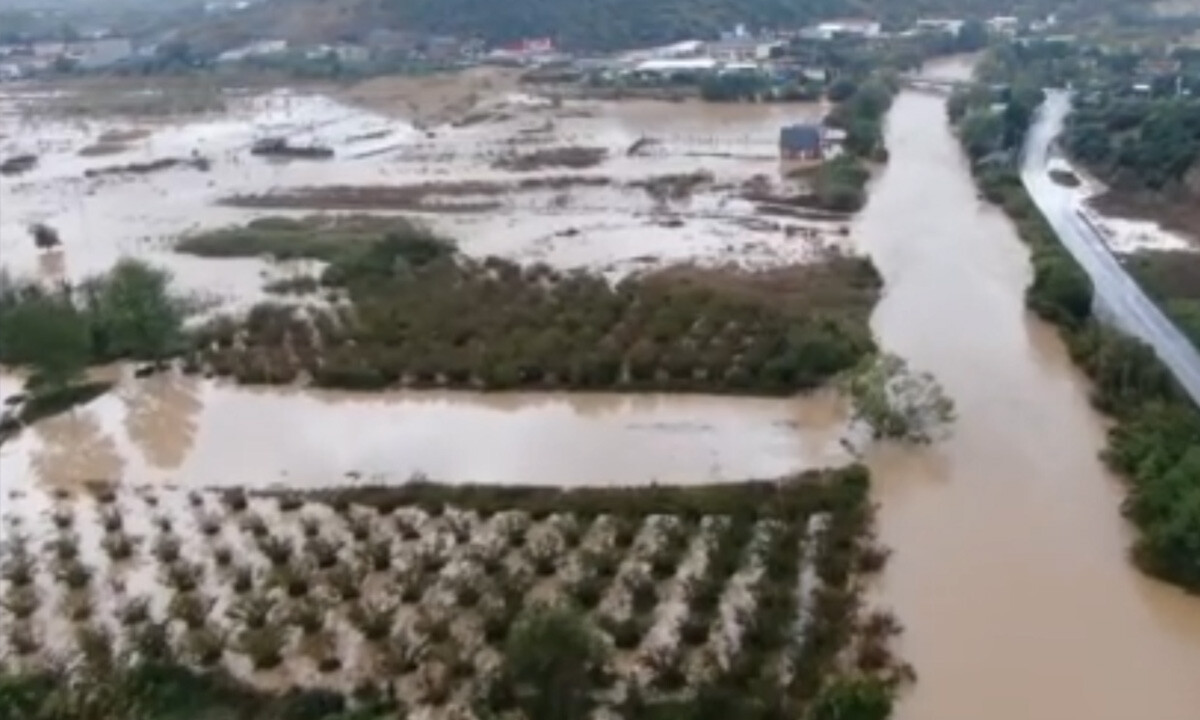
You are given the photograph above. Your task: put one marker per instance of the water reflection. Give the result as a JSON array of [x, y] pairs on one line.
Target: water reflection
[[172, 429], [161, 414], [70, 450]]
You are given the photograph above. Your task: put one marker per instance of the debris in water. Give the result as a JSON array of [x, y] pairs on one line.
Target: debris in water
[[199, 163], [279, 147], [44, 236], [18, 164]]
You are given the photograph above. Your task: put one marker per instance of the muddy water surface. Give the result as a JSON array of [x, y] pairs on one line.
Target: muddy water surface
[[615, 229], [1010, 572], [181, 430]]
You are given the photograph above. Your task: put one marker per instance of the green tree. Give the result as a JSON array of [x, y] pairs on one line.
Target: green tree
[[552, 658], [136, 313], [982, 133], [1170, 546], [852, 700], [49, 335], [896, 402], [972, 36]]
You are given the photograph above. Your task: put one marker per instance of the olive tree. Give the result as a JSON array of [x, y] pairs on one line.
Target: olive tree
[[552, 658], [136, 314], [896, 402], [49, 335], [852, 699]]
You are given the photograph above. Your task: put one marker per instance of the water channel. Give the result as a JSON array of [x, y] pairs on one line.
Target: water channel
[[1010, 573]]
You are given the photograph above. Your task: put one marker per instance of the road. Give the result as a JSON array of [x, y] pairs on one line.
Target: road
[[1116, 292]]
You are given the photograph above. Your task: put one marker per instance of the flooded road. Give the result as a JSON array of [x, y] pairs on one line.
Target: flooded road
[[174, 429], [1010, 573]]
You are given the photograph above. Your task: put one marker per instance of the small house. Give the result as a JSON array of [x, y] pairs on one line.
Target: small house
[[801, 142]]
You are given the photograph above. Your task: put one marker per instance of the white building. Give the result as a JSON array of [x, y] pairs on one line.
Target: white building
[[99, 53], [672, 66], [260, 48], [853, 27], [1004, 24], [685, 49], [948, 25]]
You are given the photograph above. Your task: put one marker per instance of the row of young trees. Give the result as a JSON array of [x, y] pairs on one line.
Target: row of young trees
[[1156, 441], [555, 661]]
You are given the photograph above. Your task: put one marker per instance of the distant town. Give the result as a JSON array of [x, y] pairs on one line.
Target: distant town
[[738, 50]]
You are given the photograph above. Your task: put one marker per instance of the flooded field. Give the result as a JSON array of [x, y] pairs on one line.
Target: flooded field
[[1010, 573], [179, 430], [615, 226]]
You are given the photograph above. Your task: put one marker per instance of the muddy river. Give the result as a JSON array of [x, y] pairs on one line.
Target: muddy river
[[1009, 575]]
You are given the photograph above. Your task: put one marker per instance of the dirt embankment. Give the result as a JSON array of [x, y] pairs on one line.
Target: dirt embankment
[[431, 100]]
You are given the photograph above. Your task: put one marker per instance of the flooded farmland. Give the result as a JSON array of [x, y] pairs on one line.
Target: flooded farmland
[[616, 225], [195, 433], [1010, 573]]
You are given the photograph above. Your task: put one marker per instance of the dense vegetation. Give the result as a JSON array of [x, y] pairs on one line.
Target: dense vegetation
[[55, 333], [127, 313], [1155, 443], [1137, 143], [418, 314], [688, 602], [1130, 124], [1172, 278], [860, 110]]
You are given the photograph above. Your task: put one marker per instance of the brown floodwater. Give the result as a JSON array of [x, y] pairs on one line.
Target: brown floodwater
[[1010, 572], [181, 430], [613, 229]]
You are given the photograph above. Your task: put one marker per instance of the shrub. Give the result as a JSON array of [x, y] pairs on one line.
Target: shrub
[[263, 645]]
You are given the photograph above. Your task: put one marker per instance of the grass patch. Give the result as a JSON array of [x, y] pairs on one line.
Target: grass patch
[[315, 237]]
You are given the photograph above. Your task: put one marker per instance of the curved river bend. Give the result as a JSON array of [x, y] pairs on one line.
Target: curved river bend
[[1010, 573]]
